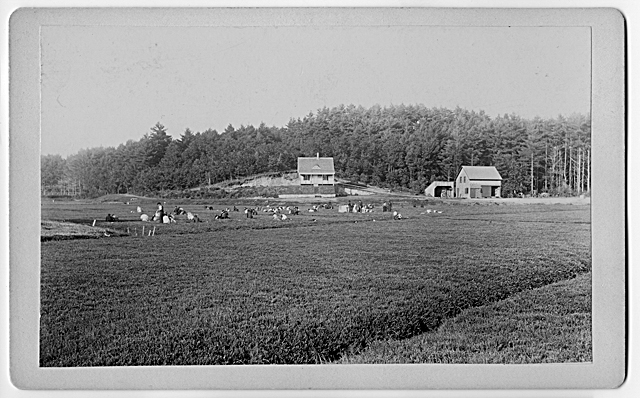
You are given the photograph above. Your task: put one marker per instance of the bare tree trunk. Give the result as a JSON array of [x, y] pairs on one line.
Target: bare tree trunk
[[546, 158], [582, 171], [554, 177], [579, 174], [570, 171], [564, 168], [532, 173], [588, 173]]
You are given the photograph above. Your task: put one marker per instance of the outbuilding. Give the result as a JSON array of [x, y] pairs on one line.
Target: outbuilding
[[439, 189], [478, 182]]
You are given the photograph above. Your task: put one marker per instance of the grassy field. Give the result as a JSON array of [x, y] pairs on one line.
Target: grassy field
[[550, 324], [316, 288]]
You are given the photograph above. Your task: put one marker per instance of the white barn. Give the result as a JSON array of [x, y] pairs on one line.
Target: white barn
[[478, 182]]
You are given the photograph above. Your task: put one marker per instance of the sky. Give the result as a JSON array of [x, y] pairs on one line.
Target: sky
[[104, 85]]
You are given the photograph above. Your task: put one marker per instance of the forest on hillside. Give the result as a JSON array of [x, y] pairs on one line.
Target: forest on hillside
[[402, 147]]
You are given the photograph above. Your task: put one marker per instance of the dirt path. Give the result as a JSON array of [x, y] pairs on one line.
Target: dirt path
[[547, 201]]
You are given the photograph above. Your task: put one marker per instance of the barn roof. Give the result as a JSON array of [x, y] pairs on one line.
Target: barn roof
[[315, 165], [482, 172]]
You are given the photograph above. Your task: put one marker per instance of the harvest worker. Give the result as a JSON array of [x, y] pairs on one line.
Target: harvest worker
[[224, 214], [159, 213], [144, 217]]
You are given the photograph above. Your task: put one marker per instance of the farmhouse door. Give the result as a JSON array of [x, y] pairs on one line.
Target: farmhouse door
[[486, 191], [316, 190]]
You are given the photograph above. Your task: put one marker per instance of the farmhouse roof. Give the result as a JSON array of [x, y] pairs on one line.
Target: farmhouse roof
[[315, 165], [481, 172]]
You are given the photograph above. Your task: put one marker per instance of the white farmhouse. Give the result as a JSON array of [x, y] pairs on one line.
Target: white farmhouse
[[316, 171]]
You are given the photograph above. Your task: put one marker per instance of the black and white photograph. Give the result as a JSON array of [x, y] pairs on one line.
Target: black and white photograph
[[286, 195], [293, 189]]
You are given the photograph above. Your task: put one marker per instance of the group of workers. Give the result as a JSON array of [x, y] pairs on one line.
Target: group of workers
[[359, 207], [279, 212]]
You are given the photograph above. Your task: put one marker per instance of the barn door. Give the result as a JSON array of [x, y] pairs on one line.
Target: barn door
[[486, 191]]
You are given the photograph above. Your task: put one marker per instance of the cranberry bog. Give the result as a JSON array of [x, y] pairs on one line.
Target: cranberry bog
[[314, 288]]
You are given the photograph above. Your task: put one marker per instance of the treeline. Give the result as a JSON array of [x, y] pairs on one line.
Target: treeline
[[398, 147]]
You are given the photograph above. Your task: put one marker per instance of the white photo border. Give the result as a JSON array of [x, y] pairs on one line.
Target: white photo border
[[607, 200]]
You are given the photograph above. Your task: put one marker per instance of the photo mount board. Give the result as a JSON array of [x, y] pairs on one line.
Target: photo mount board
[[607, 210]]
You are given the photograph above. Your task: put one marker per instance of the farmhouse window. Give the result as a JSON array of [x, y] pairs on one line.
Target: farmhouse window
[[466, 190], [306, 177], [325, 177]]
